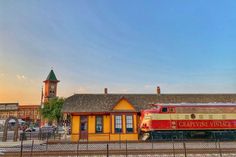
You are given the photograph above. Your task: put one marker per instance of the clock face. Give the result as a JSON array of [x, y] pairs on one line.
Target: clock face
[[52, 86]]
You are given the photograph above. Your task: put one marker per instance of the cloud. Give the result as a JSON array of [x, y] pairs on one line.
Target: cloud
[[82, 90], [21, 77], [147, 86], [24, 78], [2, 75]]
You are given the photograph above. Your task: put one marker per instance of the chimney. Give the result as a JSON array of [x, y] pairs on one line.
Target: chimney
[[105, 90], [158, 90]]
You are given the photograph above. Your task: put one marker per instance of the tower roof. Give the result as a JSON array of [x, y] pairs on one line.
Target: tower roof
[[51, 76]]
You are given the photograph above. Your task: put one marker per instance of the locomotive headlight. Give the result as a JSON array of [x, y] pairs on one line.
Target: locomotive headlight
[[147, 117]]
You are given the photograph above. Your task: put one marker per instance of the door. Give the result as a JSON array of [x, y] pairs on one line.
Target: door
[[83, 127]]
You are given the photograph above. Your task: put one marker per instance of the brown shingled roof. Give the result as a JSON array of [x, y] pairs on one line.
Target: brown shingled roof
[[105, 102]]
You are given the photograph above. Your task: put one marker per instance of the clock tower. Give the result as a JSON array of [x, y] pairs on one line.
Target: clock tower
[[50, 86]]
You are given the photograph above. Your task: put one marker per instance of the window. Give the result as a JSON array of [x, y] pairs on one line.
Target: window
[[172, 110], [129, 123], [164, 109], [99, 124], [118, 124]]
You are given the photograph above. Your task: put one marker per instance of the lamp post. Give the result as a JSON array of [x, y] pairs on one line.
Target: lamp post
[[42, 106]]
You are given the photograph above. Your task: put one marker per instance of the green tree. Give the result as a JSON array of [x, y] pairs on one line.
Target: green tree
[[52, 110]]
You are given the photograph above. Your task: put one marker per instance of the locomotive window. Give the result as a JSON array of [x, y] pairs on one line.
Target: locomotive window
[[164, 109], [172, 110]]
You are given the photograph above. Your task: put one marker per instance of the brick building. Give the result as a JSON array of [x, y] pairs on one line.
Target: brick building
[[8, 109], [29, 113]]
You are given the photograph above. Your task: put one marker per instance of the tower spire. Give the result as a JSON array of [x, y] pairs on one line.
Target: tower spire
[[51, 77]]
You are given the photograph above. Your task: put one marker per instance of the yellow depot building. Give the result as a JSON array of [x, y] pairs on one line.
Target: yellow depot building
[[114, 117], [110, 118]]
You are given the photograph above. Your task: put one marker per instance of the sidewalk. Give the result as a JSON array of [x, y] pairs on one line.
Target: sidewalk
[[18, 143]]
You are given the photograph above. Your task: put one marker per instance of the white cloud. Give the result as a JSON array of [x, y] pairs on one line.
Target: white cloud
[[83, 90], [21, 77], [25, 79], [147, 86], [2, 75]]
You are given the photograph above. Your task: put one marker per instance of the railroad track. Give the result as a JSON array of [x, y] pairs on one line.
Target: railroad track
[[120, 152]]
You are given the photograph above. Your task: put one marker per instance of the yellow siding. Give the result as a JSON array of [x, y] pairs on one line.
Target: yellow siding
[[99, 137], [108, 129], [75, 128], [124, 105], [123, 124], [123, 137], [91, 124], [135, 123], [106, 124], [112, 137], [113, 124]]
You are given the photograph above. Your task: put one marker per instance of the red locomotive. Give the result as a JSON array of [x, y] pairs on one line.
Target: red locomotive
[[182, 121]]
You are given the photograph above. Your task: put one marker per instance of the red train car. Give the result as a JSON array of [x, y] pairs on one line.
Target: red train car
[[189, 121]]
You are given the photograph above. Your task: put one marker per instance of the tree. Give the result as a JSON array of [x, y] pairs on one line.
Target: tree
[[52, 110]]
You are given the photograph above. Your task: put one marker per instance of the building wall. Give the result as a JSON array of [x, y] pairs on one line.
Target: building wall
[[108, 133], [91, 124], [25, 112], [8, 109], [29, 112], [123, 108], [5, 114], [75, 123], [107, 122], [122, 105]]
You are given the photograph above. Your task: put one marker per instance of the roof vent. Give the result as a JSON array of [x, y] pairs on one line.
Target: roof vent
[[105, 90]]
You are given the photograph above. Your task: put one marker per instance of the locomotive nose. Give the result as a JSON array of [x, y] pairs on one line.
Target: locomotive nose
[[145, 125]]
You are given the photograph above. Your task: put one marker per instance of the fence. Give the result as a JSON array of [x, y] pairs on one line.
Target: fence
[[37, 136], [33, 148], [61, 136]]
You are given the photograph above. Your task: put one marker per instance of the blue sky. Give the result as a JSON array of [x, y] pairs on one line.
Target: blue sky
[[127, 46]]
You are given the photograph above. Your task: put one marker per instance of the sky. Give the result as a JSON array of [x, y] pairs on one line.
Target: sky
[[127, 46]]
